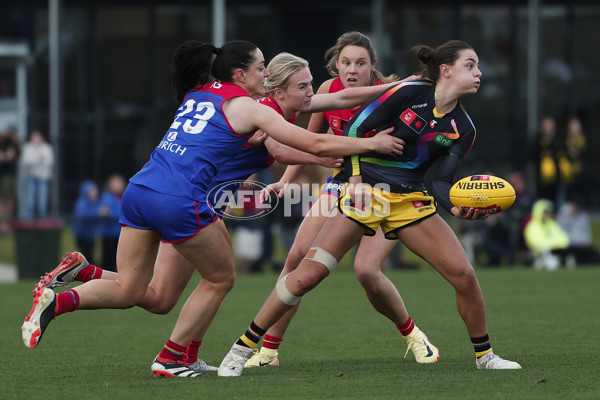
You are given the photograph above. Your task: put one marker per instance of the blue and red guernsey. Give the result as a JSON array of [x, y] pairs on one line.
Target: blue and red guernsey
[[251, 159], [337, 119], [199, 140]]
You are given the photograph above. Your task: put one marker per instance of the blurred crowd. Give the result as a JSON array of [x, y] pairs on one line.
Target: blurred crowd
[[96, 216], [35, 161], [552, 229], [26, 171]]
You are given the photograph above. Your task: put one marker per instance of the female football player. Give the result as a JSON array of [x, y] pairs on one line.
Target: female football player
[[438, 132], [167, 200], [351, 63]]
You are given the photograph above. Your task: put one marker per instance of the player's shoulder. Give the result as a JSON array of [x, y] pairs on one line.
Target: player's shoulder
[[420, 90], [220, 89], [271, 103], [326, 87], [419, 86]]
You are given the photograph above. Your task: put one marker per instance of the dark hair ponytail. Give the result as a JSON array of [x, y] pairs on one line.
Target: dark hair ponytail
[[192, 65], [432, 58]]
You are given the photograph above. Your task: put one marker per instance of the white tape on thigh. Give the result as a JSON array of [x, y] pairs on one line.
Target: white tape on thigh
[[284, 294], [321, 256]]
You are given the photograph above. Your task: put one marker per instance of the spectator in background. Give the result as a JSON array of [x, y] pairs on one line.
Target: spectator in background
[[575, 221], [10, 150], [545, 238], [109, 210], [37, 162], [86, 219], [518, 215], [572, 162], [546, 156]]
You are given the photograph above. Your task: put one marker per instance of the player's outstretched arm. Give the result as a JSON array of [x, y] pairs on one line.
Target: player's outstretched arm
[[352, 97], [258, 116]]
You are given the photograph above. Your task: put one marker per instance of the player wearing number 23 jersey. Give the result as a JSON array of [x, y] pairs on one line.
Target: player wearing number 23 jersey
[[186, 160], [174, 182]]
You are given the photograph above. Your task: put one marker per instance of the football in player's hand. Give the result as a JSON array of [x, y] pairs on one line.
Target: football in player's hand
[[486, 193]]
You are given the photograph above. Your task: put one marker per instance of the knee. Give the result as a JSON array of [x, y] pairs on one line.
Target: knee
[[364, 273], [132, 295], [295, 257], [222, 283], [227, 284], [162, 307], [465, 280], [305, 282], [131, 300]]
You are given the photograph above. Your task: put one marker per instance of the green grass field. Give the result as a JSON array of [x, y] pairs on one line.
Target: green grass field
[[337, 347]]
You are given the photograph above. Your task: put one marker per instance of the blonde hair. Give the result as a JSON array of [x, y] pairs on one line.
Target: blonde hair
[[281, 68], [355, 39]]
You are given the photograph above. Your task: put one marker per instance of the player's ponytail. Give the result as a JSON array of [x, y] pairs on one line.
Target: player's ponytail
[[192, 66], [432, 58]]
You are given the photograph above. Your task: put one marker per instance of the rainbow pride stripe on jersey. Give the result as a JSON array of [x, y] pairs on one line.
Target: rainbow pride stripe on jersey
[[367, 111]]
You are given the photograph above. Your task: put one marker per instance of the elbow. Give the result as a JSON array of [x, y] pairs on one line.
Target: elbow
[[320, 147], [278, 155]]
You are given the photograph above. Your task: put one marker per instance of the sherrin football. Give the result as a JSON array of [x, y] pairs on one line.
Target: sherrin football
[[486, 193]]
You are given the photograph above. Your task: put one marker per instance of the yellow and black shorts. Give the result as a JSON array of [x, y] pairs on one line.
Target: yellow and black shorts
[[391, 211]]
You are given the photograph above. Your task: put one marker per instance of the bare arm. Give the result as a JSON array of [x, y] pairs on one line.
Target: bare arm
[[246, 115], [347, 98], [316, 124], [288, 155], [350, 97]]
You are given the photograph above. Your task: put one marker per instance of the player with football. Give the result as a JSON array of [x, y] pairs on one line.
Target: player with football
[[166, 200], [351, 63], [438, 132]]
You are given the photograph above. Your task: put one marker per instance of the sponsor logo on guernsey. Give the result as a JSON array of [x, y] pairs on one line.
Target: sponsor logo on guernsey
[[171, 136], [171, 146], [413, 120], [337, 123], [432, 123], [419, 105], [442, 140]]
